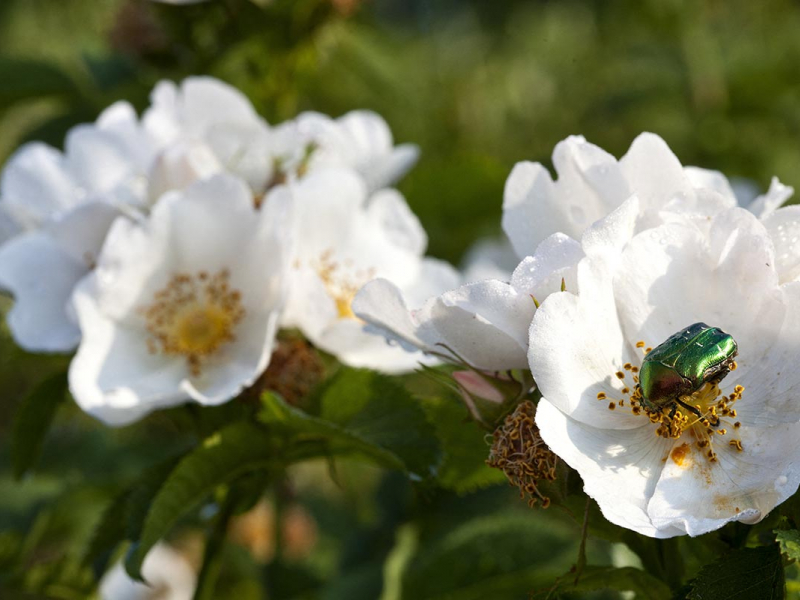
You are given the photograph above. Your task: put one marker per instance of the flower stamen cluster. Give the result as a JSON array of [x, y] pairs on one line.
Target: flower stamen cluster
[[518, 451], [193, 316], [341, 286]]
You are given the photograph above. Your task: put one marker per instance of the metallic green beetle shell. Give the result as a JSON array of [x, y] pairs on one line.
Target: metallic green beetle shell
[[687, 360]]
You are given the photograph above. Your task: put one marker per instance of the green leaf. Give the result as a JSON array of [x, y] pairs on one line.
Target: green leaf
[[379, 410], [331, 439], [500, 556], [107, 535], [233, 451], [789, 540], [10, 547], [362, 413], [625, 579], [28, 78], [124, 517], [33, 419], [463, 468], [741, 575]]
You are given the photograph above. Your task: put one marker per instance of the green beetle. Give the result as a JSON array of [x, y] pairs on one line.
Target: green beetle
[[687, 360]]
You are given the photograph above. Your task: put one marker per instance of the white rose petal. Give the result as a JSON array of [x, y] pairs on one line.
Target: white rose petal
[[168, 575], [360, 140]]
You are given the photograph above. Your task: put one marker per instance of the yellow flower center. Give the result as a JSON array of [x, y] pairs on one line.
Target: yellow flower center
[[193, 316], [341, 281], [712, 415]]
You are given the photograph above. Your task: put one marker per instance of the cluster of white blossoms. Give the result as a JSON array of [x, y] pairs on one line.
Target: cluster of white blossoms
[[617, 256], [170, 248]]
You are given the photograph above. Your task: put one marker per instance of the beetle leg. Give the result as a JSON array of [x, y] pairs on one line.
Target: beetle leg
[[691, 409], [672, 412]]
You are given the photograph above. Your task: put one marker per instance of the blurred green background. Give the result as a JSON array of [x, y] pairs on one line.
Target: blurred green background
[[479, 85]]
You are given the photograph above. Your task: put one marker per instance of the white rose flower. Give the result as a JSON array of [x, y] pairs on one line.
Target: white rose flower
[[345, 239], [168, 575], [668, 473], [209, 126], [183, 306], [361, 140], [61, 205], [591, 183], [484, 324]]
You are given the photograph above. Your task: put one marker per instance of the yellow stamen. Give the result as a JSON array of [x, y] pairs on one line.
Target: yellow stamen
[[193, 316]]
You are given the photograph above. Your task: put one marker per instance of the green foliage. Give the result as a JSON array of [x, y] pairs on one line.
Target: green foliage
[[377, 409], [789, 540], [124, 516], [32, 420], [463, 468], [25, 79], [497, 556], [234, 451], [742, 575], [625, 579], [365, 413], [322, 437]]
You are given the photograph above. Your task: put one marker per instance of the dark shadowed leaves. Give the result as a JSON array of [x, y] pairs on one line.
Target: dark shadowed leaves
[[742, 575], [33, 419], [233, 451], [625, 579], [463, 467]]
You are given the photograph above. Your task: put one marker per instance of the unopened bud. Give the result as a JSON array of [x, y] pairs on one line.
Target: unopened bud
[[488, 398]]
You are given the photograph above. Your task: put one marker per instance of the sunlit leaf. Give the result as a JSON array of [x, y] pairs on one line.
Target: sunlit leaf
[[789, 541]]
